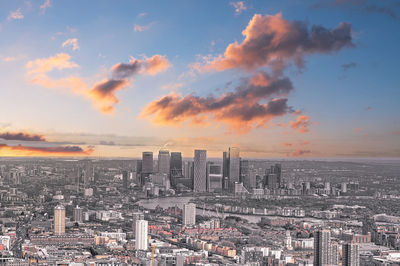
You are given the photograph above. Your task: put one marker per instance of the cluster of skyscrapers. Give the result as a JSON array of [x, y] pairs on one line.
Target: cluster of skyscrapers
[[202, 175]]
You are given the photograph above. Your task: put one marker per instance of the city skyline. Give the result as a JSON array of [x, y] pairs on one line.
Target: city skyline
[[286, 79]]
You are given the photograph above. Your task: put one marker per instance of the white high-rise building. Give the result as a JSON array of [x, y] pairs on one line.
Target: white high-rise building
[[141, 235], [189, 214], [59, 220], [288, 241]]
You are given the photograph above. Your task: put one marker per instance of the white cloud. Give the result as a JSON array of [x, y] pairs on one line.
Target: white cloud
[[71, 42], [141, 28], [239, 6], [17, 14], [46, 4]]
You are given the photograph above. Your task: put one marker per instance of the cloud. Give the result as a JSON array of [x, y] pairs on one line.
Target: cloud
[[20, 150], [9, 59], [43, 65], [389, 8], [73, 43], [46, 4], [273, 41], [141, 15], [238, 6], [298, 153], [349, 65], [38, 70], [141, 28], [21, 136], [241, 110], [287, 144], [301, 124], [172, 86], [17, 14], [103, 93]]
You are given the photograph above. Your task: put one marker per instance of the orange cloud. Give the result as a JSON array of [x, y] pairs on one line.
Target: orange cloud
[[298, 153], [6, 150], [102, 94], [287, 144], [240, 110], [273, 41], [301, 124]]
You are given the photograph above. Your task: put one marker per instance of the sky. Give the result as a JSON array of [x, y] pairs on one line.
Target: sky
[[278, 79]]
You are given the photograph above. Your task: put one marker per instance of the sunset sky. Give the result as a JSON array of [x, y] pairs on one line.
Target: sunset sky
[[279, 79]]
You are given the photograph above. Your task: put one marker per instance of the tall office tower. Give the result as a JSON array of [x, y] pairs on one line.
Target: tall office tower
[[59, 220], [234, 167], [272, 181], [214, 177], [277, 169], [147, 167], [322, 248], [175, 166], [163, 162], [350, 254], [78, 214], [141, 235], [200, 171], [248, 175], [225, 170], [189, 214], [188, 171], [125, 180], [135, 217], [147, 162]]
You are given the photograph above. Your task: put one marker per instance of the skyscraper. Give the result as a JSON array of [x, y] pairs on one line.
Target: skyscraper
[[78, 214], [141, 235], [350, 254], [135, 217], [176, 164], [163, 162], [225, 170], [125, 179], [200, 171], [277, 169], [248, 175], [234, 167], [189, 214], [322, 248], [59, 220], [214, 176], [147, 162]]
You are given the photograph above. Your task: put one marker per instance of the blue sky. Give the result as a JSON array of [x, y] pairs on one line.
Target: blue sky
[[352, 113]]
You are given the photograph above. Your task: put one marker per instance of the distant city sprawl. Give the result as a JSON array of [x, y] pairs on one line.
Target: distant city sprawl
[[170, 210]]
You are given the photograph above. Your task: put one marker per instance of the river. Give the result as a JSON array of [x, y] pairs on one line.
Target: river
[[179, 201]]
